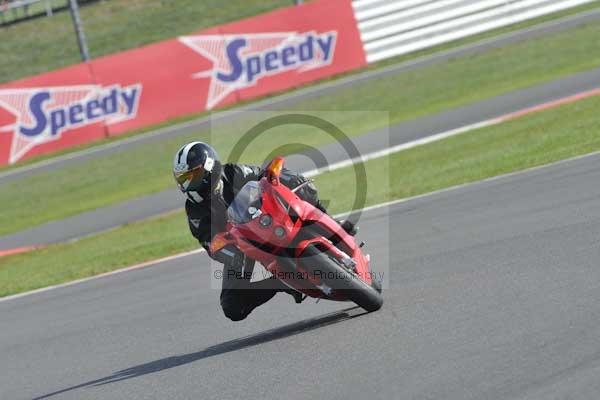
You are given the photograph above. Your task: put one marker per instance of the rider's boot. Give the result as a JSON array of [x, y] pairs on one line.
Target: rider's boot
[[282, 287], [298, 297]]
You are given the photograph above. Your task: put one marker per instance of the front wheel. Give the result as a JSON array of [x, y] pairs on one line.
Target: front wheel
[[339, 279]]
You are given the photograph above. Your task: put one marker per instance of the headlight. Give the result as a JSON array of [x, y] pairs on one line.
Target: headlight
[[265, 220], [279, 232]]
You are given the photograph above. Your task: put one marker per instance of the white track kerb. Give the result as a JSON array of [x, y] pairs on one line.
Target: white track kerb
[[389, 28]]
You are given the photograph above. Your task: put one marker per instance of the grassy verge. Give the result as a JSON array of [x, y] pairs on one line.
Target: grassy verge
[[96, 254], [531, 141], [146, 169]]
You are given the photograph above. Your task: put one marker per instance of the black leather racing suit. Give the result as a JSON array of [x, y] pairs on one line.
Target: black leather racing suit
[[239, 296]]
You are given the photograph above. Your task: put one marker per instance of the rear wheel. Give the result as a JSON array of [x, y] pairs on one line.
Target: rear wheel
[[337, 278]]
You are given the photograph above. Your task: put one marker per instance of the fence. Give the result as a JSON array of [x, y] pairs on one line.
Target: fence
[[14, 11], [27, 7], [389, 28]]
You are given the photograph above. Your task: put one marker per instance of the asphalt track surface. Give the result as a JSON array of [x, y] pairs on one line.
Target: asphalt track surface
[[494, 294], [136, 209]]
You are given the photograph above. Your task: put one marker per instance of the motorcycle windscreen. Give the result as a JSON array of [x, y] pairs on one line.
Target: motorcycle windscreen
[[246, 204]]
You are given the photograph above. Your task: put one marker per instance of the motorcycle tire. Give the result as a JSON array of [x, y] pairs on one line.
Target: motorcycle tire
[[339, 278]]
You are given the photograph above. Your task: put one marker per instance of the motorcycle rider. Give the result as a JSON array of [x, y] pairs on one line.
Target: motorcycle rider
[[210, 187]]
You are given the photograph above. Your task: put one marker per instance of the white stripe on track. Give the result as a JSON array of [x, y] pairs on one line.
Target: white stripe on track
[[103, 275], [454, 132], [398, 148]]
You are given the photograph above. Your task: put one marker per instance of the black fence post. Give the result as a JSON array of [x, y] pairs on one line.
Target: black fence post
[[74, 7]]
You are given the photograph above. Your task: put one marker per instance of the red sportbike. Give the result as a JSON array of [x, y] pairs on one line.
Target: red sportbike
[[299, 244]]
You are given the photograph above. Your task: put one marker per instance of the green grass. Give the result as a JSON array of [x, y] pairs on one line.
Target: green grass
[[538, 139], [96, 254], [146, 169], [47, 43]]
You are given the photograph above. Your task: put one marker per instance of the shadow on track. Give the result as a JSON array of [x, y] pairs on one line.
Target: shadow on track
[[222, 348]]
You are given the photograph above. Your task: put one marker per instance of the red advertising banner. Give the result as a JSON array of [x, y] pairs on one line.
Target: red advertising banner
[[279, 50], [205, 70], [46, 113], [164, 73]]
